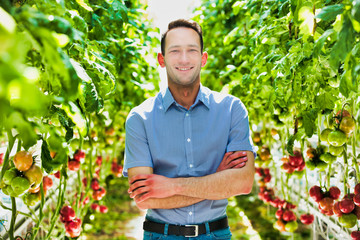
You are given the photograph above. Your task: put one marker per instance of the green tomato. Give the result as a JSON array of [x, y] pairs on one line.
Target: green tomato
[[291, 226], [9, 175], [336, 151], [20, 185], [30, 199], [328, 158], [347, 125], [348, 220], [8, 190], [5, 190], [34, 175], [299, 174], [310, 165], [329, 121], [321, 165], [337, 138], [324, 134]]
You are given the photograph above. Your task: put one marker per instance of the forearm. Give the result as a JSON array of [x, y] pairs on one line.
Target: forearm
[[176, 201], [220, 185]]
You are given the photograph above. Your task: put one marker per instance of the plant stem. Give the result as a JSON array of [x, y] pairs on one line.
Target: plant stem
[[59, 204], [353, 144], [13, 218], [10, 209], [315, 24], [328, 177], [319, 128], [11, 140], [282, 185], [91, 149], [307, 189], [18, 149], [346, 168], [41, 214], [78, 198]]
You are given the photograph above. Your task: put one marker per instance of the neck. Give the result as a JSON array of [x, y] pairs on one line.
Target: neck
[[185, 95]]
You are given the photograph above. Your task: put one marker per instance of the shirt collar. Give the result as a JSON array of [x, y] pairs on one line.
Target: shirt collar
[[203, 96]]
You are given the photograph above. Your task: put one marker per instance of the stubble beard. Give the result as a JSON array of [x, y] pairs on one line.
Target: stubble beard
[[184, 82]]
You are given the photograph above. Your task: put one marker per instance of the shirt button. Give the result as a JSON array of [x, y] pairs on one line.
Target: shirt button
[[187, 114], [188, 140], [191, 165], [190, 213]]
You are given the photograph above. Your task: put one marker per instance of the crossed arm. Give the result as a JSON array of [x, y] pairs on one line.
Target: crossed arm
[[234, 176]]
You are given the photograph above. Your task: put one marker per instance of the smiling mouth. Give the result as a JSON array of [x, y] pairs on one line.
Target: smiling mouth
[[184, 68]]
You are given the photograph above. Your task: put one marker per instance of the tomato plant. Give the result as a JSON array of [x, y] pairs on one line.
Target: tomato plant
[[294, 64], [70, 73]]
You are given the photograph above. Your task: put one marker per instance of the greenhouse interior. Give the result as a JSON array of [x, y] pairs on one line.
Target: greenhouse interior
[[247, 128]]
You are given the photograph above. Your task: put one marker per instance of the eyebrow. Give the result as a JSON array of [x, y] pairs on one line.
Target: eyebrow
[[190, 45]]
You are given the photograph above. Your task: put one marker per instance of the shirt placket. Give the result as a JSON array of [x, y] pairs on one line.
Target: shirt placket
[[189, 155]]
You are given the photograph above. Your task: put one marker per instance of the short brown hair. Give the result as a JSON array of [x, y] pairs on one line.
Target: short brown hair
[[182, 23]]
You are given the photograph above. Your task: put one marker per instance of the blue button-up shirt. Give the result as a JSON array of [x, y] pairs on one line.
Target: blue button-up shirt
[[177, 142]]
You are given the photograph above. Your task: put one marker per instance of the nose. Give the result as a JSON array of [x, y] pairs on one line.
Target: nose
[[184, 58]]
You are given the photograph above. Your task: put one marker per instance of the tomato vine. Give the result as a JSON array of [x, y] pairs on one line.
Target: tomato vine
[[70, 71], [295, 65]]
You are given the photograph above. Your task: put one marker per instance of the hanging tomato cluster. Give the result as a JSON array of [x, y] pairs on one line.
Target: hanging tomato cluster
[[285, 215], [23, 179]]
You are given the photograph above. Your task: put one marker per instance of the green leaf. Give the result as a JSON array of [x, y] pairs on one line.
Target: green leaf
[[237, 6], [309, 121], [290, 144], [66, 122], [121, 9], [25, 129], [84, 5], [89, 98], [50, 164], [344, 43], [345, 86], [28, 97], [7, 23], [46, 158], [355, 11], [329, 13], [320, 42], [291, 141], [325, 101], [231, 36], [74, 113], [103, 79]]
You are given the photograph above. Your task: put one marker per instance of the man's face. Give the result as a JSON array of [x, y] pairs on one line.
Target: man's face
[[183, 58]]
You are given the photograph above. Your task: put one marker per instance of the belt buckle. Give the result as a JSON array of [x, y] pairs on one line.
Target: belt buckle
[[196, 228]]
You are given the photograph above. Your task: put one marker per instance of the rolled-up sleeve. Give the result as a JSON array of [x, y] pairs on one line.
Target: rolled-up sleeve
[[137, 152], [239, 136]]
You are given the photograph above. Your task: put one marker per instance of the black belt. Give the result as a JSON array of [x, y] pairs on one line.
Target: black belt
[[185, 230]]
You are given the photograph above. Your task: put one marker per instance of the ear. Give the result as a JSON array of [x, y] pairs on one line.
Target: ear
[[204, 58], [161, 60]]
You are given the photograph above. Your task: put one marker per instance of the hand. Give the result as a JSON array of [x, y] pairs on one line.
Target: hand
[[145, 186], [233, 160]]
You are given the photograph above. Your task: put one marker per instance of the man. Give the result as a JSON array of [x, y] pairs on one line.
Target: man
[[187, 149]]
